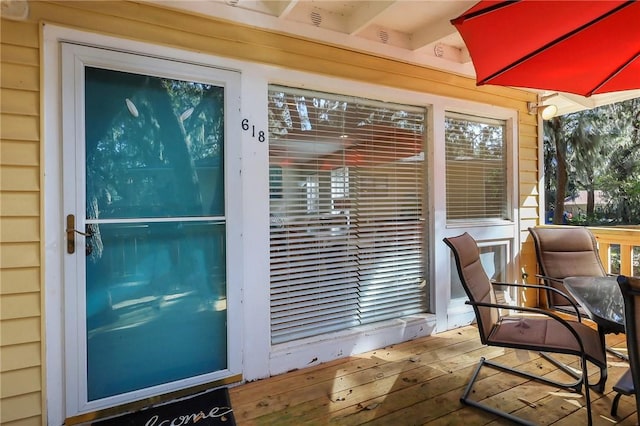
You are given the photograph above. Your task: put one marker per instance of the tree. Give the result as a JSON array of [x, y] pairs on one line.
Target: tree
[[621, 183], [554, 131], [577, 140], [587, 142], [595, 149]]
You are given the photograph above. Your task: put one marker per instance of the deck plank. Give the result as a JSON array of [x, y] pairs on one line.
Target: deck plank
[[420, 383]]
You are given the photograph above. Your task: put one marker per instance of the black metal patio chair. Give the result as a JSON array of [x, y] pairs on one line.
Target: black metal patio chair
[[630, 380], [561, 253], [567, 252], [533, 329]]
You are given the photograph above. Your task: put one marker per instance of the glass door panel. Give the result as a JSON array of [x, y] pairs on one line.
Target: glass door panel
[[156, 305], [155, 266]]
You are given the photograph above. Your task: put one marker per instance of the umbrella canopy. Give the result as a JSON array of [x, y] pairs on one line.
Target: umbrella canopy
[[581, 47]]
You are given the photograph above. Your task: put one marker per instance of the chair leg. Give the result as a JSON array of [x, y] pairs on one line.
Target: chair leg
[[483, 361], [618, 354], [609, 349], [614, 404], [587, 397], [564, 367], [599, 387], [465, 396]]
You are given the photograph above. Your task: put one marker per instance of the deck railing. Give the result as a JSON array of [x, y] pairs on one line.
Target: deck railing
[[619, 248]]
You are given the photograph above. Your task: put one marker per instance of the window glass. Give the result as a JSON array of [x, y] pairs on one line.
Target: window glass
[[476, 168], [347, 220]]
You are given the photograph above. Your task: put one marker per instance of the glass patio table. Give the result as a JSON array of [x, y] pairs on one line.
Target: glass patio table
[[601, 298]]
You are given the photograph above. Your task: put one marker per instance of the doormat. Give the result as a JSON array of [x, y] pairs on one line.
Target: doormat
[[209, 408]]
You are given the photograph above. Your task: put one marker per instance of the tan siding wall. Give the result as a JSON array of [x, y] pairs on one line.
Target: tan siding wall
[[20, 153], [19, 204], [19, 76], [21, 356], [21, 399], [21, 330], [19, 102], [21, 335], [19, 280], [22, 410], [19, 127], [529, 174]]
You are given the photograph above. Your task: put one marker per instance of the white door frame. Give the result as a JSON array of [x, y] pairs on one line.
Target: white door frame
[[60, 402]]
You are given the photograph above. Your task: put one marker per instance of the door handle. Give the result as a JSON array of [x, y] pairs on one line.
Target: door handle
[[71, 233]]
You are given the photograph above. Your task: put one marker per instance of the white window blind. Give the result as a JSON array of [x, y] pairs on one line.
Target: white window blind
[[476, 168], [346, 193]]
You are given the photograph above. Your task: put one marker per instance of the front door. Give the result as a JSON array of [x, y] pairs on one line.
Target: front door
[[146, 272]]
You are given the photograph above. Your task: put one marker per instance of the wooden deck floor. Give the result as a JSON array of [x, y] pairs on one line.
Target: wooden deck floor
[[420, 383]]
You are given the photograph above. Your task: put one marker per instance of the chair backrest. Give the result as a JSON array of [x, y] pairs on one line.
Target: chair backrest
[[566, 252], [630, 287], [474, 280]]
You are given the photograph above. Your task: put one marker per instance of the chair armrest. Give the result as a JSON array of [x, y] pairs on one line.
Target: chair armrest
[[556, 317], [547, 278], [545, 288]]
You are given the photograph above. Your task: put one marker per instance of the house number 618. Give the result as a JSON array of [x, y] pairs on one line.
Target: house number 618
[[246, 127]]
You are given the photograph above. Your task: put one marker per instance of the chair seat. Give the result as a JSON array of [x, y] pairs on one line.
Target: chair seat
[[542, 334], [625, 384], [623, 387]]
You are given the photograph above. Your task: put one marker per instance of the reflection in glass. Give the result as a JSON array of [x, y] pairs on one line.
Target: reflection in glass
[[154, 146], [156, 305], [155, 264]]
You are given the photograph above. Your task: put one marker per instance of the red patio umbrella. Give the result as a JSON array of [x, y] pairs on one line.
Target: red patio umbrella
[[581, 47]]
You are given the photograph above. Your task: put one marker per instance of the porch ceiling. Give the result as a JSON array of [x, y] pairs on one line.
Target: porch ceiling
[[415, 31]]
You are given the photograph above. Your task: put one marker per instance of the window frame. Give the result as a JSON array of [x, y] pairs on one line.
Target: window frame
[[509, 158], [452, 313], [331, 190]]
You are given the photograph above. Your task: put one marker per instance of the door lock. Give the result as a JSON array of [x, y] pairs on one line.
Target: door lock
[[71, 233]]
